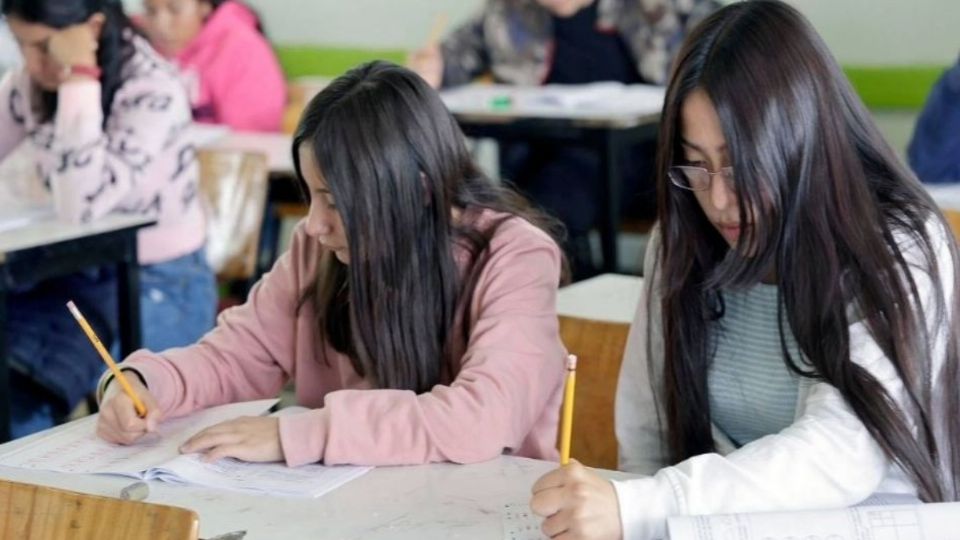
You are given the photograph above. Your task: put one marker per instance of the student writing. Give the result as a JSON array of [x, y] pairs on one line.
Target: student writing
[[795, 347]]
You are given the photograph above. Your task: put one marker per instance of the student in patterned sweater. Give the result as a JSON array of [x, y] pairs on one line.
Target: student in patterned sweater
[[105, 121]]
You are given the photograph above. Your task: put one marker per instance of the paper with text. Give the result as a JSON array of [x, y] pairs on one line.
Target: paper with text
[[75, 448]]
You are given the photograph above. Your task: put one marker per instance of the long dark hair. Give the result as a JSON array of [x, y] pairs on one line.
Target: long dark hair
[[114, 47], [396, 163], [831, 208]]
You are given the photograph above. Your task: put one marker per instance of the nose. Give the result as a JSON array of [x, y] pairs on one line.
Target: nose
[[319, 221], [721, 194]]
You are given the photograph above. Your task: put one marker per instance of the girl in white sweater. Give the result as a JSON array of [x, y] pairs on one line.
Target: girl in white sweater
[[794, 348]]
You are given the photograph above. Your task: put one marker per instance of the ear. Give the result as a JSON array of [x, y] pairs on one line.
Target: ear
[[96, 22]]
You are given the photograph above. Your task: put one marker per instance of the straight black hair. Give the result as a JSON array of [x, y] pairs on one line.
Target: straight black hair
[[397, 166]]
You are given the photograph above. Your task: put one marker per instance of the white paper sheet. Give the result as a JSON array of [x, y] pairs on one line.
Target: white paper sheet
[[77, 449], [896, 522]]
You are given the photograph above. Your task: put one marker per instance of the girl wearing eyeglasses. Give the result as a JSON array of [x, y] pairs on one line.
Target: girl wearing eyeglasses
[[795, 346]]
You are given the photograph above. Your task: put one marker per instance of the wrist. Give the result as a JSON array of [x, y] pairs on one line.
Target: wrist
[[82, 71]]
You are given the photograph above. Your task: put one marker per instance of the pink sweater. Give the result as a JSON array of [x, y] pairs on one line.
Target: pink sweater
[[231, 73], [505, 398], [141, 162]]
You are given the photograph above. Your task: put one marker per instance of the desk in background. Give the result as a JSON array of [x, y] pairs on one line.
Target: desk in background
[[604, 116], [424, 502], [48, 249], [607, 297]]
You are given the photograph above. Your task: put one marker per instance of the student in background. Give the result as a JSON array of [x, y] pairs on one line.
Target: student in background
[[934, 151], [795, 346], [415, 310], [231, 72], [103, 118], [534, 42]]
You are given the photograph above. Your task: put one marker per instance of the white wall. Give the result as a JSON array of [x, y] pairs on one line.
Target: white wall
[[863, 32]]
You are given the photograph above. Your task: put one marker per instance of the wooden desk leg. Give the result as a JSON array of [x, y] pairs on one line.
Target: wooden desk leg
[[128, 281], [4, 371], [610, 199]]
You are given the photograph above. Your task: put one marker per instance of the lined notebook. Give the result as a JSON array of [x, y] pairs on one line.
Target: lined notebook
[[75, 448]]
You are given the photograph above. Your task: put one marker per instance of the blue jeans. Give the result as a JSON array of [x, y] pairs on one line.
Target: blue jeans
[[52, 363], [178, 301]]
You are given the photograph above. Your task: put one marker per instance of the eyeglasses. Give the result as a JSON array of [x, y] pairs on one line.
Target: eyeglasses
[[698, 178]]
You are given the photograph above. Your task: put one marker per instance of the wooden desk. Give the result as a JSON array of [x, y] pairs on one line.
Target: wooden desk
[[51, 249], [424, 502], [610, 129]]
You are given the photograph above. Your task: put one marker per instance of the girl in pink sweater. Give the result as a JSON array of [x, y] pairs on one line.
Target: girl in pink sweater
[[415, 309], [230, 70]]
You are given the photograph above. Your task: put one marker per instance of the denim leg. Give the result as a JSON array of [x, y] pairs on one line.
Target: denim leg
[[178, 301], [53, 364]]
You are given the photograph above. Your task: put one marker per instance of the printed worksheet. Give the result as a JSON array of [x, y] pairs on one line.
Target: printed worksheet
[[75, 448]]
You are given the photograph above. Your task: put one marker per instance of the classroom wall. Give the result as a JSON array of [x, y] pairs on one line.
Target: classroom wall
[[860, 32]]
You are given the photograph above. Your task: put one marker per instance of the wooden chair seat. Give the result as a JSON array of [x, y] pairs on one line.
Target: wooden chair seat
[[31, 512]]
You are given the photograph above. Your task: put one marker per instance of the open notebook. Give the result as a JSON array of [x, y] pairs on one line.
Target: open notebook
[[75, 448]]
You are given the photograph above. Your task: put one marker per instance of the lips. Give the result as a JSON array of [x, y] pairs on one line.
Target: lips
[[730, 231]]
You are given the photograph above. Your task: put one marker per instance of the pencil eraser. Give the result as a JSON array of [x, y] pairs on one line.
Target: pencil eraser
[[135, 492], [572, 361]]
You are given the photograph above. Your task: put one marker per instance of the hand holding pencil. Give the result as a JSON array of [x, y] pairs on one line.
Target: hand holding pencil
[[128, 411], [574, 501]]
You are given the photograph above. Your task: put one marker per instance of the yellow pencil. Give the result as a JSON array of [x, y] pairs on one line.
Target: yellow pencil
[[566, 426], [439, 25], [117, 374]]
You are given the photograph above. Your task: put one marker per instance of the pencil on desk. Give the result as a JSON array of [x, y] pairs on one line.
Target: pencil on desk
[[117, 374], [566, 426]]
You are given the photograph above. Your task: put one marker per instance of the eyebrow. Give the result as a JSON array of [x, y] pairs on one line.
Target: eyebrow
[[322, 190], [698, 148]]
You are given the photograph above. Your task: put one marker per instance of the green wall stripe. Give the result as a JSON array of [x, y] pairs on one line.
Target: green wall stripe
[[893, 87], [305, 61]]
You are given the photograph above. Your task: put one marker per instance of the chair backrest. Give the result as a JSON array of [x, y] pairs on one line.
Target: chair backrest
[[953, 218], [30, 511], [599, 348], [234, 188]]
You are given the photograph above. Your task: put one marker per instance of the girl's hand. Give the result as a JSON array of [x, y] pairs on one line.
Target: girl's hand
[[248, 438], [118, 421], [77, 45], [577, 503]]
